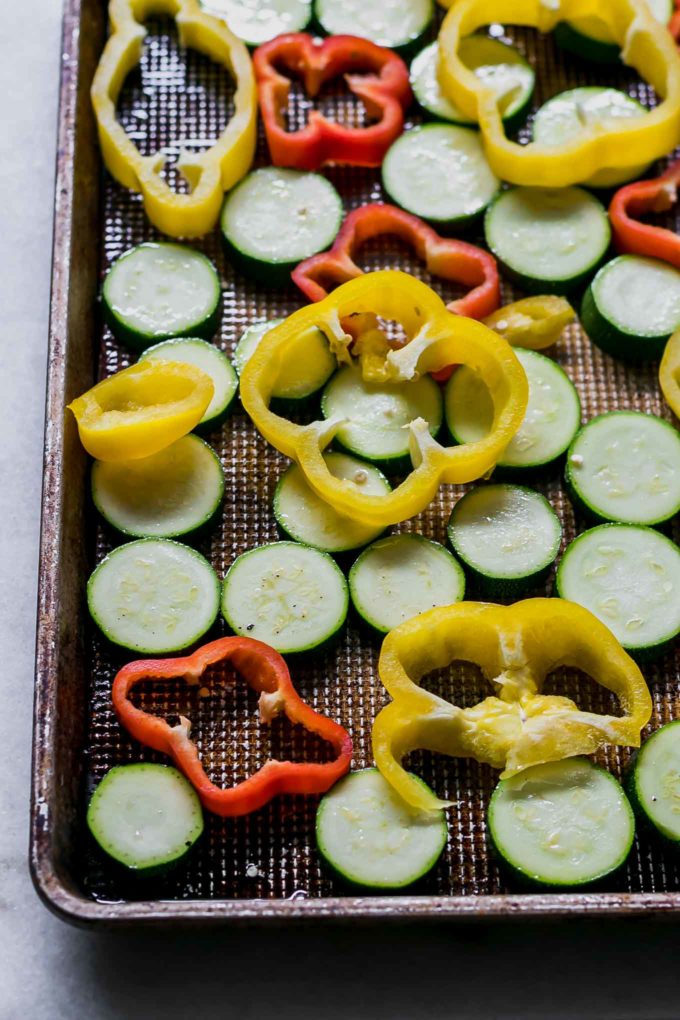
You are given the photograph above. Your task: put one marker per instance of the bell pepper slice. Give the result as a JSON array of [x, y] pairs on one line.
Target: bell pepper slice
[[534, 322], [634, 200], [436, 339], [645, 44], [373, 73], [516, 648], [141, 409], [443, 256], [209, 173], [669, 373], [266, 672]]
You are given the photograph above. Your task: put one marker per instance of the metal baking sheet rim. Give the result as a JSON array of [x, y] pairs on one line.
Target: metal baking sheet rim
[[49, 879]]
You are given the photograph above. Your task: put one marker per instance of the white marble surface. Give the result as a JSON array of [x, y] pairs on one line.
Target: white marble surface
[[49, 971]]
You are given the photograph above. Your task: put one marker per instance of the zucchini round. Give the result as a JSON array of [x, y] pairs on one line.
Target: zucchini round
[[401, 576], [629, 577], [172, 493], [372, 838], [399, 25], [563, 824], [258, 21], [290, 596], [309, 362], [154, 596], [654, 782], [161, 290]]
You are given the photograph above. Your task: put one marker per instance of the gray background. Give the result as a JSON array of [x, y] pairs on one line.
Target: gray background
[[49, 971]]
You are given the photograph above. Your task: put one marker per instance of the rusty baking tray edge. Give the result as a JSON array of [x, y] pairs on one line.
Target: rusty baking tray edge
[[59, 701]]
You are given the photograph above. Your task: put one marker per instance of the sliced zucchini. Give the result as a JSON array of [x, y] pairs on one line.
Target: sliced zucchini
[[629, 577], [507, 536], [154, 596], [258, 21], [309, 364], [275, 218], [549, 240], [624, 466], [632, 307], [563, 118], [500, 66], [400, 24], [290, 596], [157, 291], [566, 823], [654, 782], [172, 493], [377, 413], [401, 576], [439, 172], [214, 363], [371, 837], [305, 517], [552, 418], [590, 38], [146, 817]]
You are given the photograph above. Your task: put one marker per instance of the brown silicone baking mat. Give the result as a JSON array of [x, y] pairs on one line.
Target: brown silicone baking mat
[[266, 865]]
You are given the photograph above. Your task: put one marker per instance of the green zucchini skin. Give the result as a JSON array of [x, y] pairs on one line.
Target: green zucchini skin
[[406, 49], [586, 48], [668, 840], [614, 341]]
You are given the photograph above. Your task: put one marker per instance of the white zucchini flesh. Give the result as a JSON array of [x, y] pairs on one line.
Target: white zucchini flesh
[[549, 235], [656, 780], [154, 596], [388, 24], [640, 296], [499, 66], [277, 215], [625, 466], [145, 816], [308, 366], [505, 531], [565, 823], [308, 519], [439, 172], [258, 21], [209, 359], [401, 576], [372, 837], [290, 596], [562, 119], [161, 289], [551, 421], [171, 493], [627, 576], [377, 413]]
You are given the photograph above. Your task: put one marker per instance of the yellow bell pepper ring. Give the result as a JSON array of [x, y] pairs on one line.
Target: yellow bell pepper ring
[[669, 373], [645, 44], [435, 338], [209, 173], [516, 647], [141, 409], [533, 322]]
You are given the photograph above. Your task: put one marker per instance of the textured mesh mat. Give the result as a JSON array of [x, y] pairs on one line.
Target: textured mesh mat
[[175, 96]]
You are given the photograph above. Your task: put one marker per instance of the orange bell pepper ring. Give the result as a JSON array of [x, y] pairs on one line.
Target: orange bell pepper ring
[[267, 673]]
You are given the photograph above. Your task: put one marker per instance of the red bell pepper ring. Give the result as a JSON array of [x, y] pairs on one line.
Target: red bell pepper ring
[[633, 237], [266, 672], [443, 256], [379, 78]]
